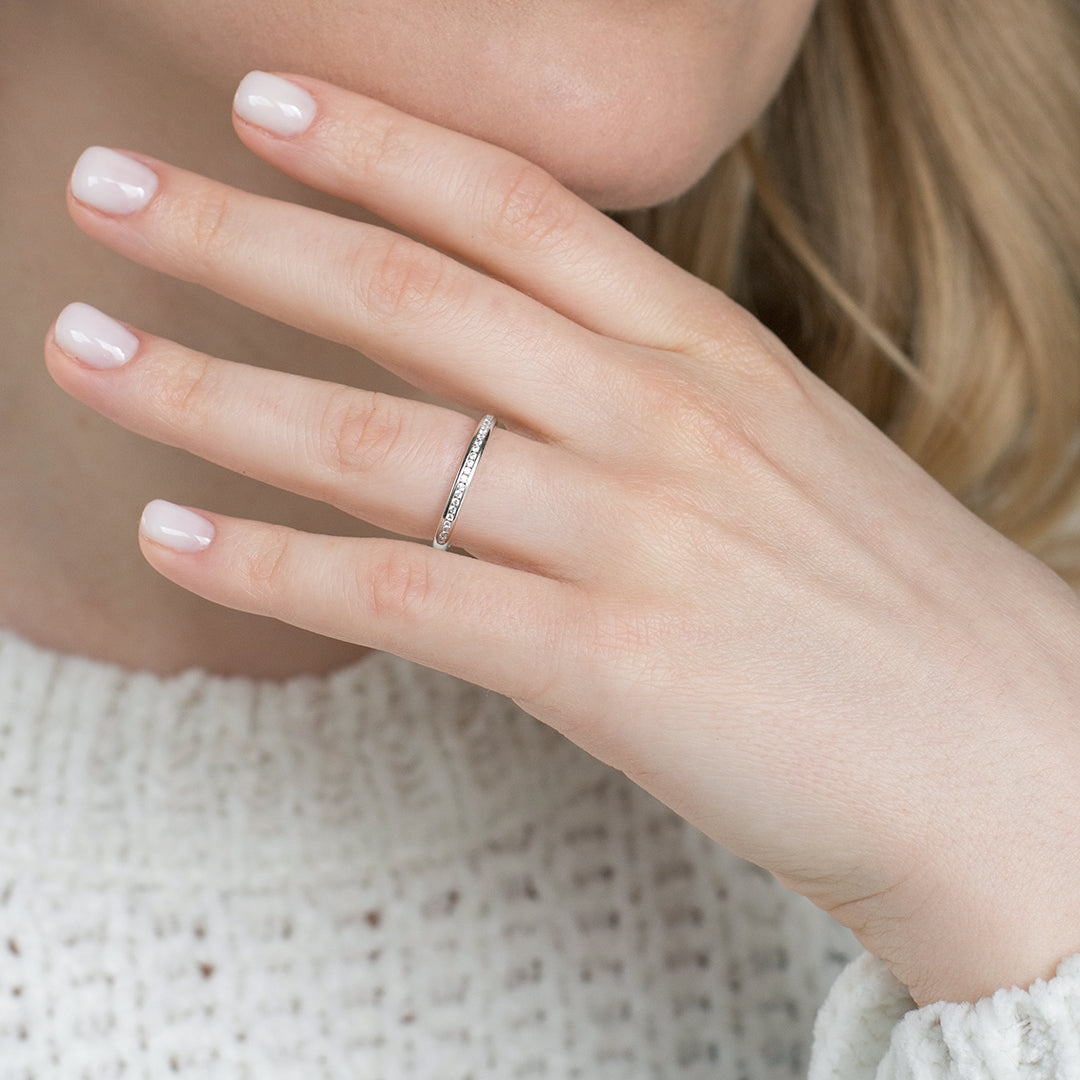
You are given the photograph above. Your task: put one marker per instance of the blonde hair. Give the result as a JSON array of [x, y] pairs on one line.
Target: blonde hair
[[906, 216]]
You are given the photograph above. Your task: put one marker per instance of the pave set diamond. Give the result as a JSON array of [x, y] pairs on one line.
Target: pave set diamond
[[461, 483]]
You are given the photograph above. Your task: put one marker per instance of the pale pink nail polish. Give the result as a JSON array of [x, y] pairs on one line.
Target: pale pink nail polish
[[175, 527], [92, 337], [112, 182], [274, 104]]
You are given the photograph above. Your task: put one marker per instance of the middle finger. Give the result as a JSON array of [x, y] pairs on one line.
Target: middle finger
[[444, 327]]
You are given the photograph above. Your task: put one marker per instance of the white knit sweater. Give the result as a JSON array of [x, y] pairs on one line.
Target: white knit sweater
[[390, 874]]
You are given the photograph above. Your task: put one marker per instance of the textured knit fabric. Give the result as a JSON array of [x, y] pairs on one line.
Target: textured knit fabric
[[390, 874], [870, 1028]]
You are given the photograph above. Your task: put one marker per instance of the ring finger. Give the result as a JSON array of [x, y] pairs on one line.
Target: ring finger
[[378, 457]]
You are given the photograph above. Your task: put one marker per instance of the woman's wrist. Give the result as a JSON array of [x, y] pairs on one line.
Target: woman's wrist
[[968, 958], [985, 891], [997, 901]]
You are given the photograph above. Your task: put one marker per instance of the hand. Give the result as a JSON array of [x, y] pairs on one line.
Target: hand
[[691, 556]]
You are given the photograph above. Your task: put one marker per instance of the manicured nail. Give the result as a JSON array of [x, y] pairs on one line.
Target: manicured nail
[[112, 182], [92, 337], [175, 527], [274, 104]]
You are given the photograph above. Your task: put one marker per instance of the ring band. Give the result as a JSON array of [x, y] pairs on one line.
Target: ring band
[[462, 482]]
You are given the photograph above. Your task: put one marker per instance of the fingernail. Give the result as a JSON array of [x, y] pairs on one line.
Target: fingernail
[[92, 337], [112, 182], [175, 527], [274, 104]]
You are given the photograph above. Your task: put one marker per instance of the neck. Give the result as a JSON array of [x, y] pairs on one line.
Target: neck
[[72, 484]]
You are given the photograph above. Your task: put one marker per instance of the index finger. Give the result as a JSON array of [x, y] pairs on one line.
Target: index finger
[[475, 201]]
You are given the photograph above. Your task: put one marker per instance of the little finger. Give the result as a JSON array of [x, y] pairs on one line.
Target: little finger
[[504, 629]]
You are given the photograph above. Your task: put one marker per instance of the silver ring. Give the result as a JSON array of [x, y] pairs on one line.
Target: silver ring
[[462, 482]]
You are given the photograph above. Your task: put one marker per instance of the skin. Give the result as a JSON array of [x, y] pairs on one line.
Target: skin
[[627, 102], [796, 668], [558, 78], [777, 670]]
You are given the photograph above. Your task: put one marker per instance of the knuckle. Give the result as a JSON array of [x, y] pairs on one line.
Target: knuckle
[[722, 434], [525, 207], [777, 390], [404, 278], [739, 345], [707, 424], [726, 410], [399, 584], [378, 146], [265, 570], [210, 224], [360, 432], [184, 393], [784, 378]]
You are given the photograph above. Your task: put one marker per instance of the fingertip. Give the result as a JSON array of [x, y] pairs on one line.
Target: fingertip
[[111, 181], [176, 528], [86, 334], [274, 104]]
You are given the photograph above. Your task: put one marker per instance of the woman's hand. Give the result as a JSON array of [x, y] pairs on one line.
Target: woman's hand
[[692, 557]]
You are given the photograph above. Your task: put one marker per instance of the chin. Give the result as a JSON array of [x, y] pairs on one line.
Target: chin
[[620, 147], [629, 167], [618, 119]]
